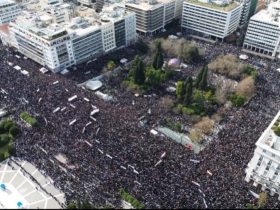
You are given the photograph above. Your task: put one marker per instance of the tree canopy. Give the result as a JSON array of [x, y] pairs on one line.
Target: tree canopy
[[138, 71], [158, 57]]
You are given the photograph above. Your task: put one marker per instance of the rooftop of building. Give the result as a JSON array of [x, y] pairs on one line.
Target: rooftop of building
[[269, 15], [271, 137], [43, 22], [6, 2], [224, 6], [147, 4]]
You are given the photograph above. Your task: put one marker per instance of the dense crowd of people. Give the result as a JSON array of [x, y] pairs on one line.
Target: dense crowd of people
[[109, 150]]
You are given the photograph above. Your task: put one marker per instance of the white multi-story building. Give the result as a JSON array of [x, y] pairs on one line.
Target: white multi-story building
[[8, 11], [50, 2], [263, 33], [86, 2], [245, 11], [215, 19], [264, 167], [153, 15], [60, 43]]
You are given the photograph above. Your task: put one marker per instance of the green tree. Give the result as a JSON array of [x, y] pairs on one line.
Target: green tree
[[86, 205], [4, 139], [250, 206], [189, 92], [2, 156], [153, 77], [203, 82], [111, 65], [237, 100], [138, 71], [8, 124], [180, 90], [158, 58], [14, 131], [190, 54], [71, 205], [198, 78], [195, 54], [198, 98]]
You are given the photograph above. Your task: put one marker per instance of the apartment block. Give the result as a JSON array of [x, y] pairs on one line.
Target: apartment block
[[264, 167], [76, 37], [263, 33], [211, 19]]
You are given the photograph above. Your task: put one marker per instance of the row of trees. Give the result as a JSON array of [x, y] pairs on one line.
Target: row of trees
[[151, 75], [138, 68], [8, 131], [158, 59], [147, 76]]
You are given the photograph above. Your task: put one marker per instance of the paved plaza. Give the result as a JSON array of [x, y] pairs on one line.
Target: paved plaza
[[23, 186]]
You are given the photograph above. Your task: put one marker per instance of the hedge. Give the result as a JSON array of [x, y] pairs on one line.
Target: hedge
[[14, 130], [4, 139], [237, 100], [8, 130], [27, 118], [4, 156], [5, 125], [130, 199]]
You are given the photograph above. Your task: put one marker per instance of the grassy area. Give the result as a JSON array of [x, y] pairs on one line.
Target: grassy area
[[225, 7]]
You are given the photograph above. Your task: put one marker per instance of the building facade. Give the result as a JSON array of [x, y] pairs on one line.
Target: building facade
[[263, 33], [8, 11], [264, 167], [86, 2], [58, 45], [245, 11], [153, 15], [99, 5], [210, 20]]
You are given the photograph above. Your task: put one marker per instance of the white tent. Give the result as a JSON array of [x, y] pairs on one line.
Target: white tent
[[65, 71], [17, 68], [123, 60], [94, 85], [243, 57], [103, 96], [24, 72], [43, 70]]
